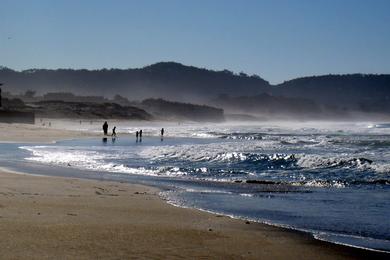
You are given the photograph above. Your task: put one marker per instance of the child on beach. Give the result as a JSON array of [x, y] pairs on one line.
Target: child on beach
[[113, 132]]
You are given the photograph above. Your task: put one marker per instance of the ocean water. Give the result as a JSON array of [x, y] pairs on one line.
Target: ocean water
[[332, 180]]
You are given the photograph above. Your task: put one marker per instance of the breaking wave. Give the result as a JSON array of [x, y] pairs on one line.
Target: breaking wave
[[208, 164]]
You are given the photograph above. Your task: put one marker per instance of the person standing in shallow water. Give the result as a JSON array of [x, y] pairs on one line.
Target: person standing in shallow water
[[140, 133], [136, 136], [105, 128], [162, 134], [113, 132]]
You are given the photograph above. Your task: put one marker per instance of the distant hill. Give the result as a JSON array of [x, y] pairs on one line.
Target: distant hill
[[268, 105], [178, 82], [167, 110], [68, 105], [168, 80], [350, 91], [61, 109]]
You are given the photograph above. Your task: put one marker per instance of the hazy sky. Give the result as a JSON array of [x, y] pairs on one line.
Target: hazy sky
[[277, 40]]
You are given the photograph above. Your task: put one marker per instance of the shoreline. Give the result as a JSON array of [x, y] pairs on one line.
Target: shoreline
[[162, 229], [288, 229], [243, 236]]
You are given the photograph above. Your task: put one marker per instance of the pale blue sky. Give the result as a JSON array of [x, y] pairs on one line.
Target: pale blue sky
[[276, 39]]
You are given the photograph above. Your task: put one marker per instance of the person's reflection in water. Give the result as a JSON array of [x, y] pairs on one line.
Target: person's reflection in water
[[113, 139], [104, 140]]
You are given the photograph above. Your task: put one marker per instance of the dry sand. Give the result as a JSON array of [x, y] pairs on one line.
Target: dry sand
[[52, 217]]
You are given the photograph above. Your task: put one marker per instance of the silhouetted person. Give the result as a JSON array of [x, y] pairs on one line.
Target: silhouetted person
[[140, 134], [105, 128], [113, 132], [162, 134]]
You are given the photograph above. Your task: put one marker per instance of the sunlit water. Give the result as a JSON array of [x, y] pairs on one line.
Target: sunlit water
[[332, 180]]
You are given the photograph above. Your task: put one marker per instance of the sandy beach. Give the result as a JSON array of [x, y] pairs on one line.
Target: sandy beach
[[33, 133], [52, 217]]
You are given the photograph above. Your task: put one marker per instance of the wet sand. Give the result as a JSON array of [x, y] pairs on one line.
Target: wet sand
[[53, 217], [33, 133]]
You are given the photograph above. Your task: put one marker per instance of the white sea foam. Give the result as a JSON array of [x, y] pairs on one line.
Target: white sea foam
[[246, 195], [320, 184]]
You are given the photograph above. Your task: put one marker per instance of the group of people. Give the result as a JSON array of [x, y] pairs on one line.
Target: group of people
[[138, 134], [105, 129]]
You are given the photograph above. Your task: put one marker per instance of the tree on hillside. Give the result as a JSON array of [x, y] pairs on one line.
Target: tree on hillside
[[30, 93]]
